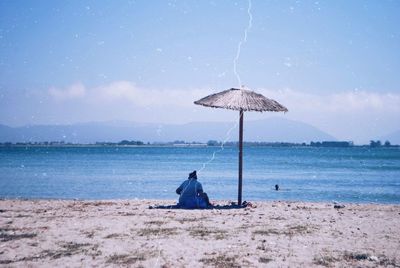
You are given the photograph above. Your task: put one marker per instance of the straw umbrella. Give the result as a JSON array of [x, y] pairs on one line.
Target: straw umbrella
[[241, 100]]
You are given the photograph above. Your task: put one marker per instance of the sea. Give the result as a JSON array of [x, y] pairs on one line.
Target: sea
[[317, 174]]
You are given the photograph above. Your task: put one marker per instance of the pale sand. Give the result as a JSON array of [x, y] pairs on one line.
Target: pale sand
[[127, 233]]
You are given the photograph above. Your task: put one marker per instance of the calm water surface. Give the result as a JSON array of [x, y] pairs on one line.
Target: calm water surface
[[311, 174]]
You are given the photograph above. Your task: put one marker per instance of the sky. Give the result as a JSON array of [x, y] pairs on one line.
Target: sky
[[333, 64]]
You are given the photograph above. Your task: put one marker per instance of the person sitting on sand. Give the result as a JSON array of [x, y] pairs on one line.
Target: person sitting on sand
[[191, 193]]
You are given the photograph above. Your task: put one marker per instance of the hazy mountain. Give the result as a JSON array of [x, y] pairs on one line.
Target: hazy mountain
[[393, 137], [272, 129]]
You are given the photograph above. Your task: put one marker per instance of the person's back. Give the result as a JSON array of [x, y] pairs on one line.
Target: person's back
[[190, 192]]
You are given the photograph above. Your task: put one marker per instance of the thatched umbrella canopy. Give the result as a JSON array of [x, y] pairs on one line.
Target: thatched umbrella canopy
[[241, 100]]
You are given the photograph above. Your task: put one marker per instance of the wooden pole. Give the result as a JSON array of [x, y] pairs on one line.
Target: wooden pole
[[240, 156]]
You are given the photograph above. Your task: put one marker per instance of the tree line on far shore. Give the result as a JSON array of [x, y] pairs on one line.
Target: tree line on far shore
[[379, 144], [372, 144]]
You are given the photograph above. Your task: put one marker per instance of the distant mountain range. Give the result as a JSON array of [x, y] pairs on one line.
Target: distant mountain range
[[269, 130]]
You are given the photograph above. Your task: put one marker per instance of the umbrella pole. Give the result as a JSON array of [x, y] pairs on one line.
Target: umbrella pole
[[240, 156]]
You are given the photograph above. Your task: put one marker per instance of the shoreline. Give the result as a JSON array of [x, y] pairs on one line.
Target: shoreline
[[188, 145], [175, 201], [74, 233]]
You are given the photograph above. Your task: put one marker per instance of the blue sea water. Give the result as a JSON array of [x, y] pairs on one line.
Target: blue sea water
[[356, 174]]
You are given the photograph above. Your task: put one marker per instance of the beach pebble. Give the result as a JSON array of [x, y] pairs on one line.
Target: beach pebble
[[373, 258]]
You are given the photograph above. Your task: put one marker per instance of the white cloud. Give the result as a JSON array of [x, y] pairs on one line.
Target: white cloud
[[125, 91], [343, 102], [296, 101], [72, 92], [351, 115]]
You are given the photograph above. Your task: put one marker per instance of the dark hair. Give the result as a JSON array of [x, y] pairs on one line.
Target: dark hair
[[193, 175]]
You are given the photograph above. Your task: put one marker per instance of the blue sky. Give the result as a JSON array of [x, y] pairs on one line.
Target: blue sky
[[334, 64]]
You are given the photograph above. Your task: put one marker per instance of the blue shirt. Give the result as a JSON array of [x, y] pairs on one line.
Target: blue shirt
[[189, 191]]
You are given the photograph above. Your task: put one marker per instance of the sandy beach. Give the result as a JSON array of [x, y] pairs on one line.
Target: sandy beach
[[50, 233]]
